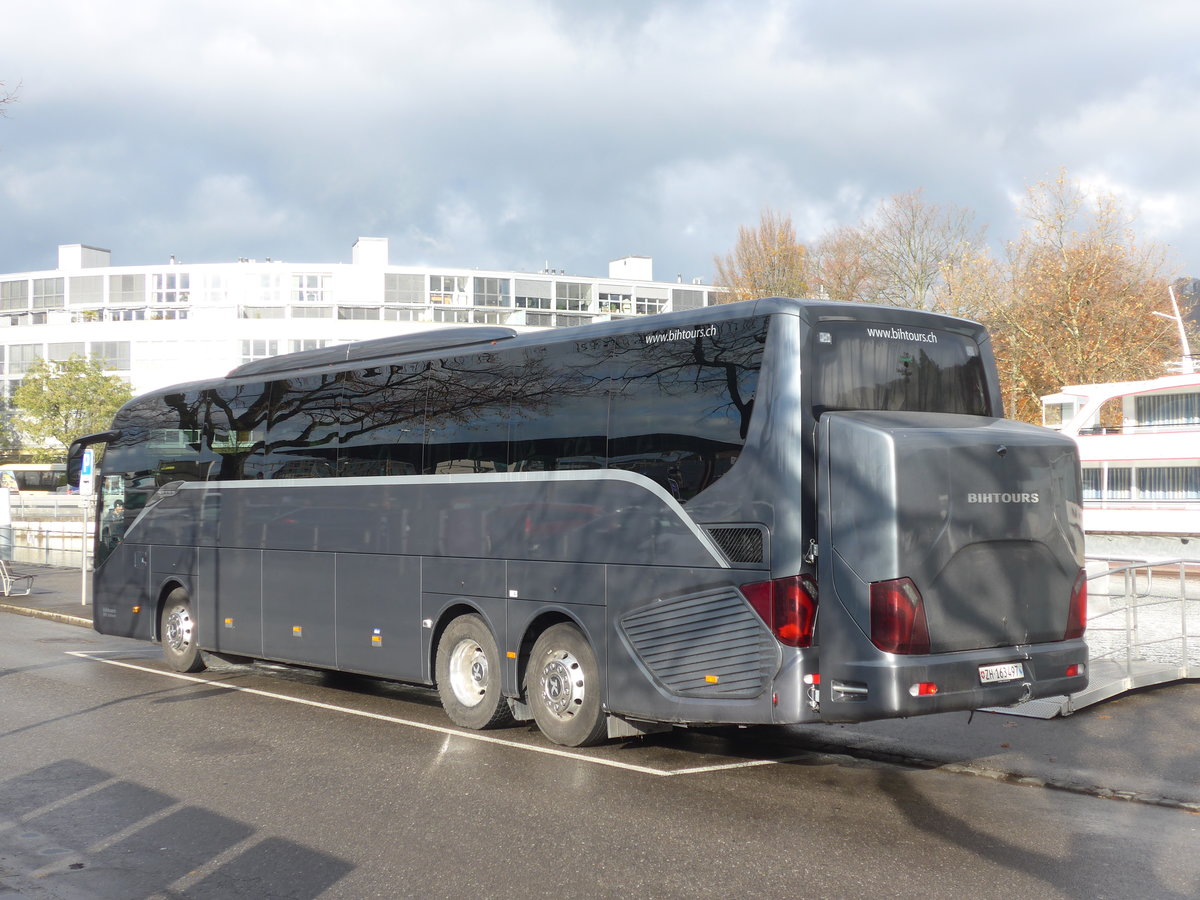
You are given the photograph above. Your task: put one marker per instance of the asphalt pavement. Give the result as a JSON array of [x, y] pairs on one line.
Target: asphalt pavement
[[1142, 747]]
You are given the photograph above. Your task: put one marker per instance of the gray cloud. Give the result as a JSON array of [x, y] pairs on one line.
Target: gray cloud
[[508, 135]]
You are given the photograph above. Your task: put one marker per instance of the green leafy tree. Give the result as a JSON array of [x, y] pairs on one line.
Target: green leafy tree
[[59, 401]]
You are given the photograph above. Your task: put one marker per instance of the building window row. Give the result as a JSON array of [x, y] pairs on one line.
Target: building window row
[[172, 287], [175, 288], [112, 355]]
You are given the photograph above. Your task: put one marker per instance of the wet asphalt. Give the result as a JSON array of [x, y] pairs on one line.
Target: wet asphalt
[[1143, 746]]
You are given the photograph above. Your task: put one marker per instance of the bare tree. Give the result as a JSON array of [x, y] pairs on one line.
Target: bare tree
[[840, 268], [766, 261], [910, 245], [7, 97]]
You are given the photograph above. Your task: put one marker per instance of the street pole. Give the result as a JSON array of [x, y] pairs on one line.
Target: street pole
[[87, 489]]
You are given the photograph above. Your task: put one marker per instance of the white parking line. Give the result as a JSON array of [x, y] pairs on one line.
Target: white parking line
[[438, 729]]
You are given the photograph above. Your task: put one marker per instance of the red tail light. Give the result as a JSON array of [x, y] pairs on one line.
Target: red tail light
[[788, 606], [898, 617], [1077, 615]]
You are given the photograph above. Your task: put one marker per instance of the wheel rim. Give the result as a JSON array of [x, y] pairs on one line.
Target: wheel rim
[[178, 635], [468, 673], [562, 685]]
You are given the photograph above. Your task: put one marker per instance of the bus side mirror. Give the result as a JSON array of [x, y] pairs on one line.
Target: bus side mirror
[[75, 453]]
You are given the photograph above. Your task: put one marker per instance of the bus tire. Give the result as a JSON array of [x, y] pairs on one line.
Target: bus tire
[[177, 628], [468, 672], [563, 687]]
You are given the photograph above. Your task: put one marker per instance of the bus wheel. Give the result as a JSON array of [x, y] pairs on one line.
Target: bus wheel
[[563, 682], [178, 631], [468, 675]]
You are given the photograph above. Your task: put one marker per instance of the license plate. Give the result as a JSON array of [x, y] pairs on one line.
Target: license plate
[[1001, 672]]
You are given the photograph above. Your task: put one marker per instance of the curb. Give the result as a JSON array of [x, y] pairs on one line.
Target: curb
[[65, 618], [1004, 776]]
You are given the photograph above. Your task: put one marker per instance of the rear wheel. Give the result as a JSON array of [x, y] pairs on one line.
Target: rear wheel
[[177, 629], [468, 675], [563, 683]]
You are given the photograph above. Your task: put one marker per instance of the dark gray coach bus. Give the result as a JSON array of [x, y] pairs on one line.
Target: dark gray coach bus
[[615, 527]]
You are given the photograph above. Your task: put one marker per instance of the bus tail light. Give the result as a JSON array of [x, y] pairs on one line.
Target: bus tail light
[[1077, 615], [787, 605], [898, 622]]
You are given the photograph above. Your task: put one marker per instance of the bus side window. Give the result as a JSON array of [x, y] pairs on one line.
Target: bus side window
[[559, 409], [237, 435], [302, 433], [466, 423], [382, 421], [682, 409]]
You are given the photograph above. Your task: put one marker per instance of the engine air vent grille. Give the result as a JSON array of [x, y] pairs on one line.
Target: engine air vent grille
[[740, 543], [708, 644]]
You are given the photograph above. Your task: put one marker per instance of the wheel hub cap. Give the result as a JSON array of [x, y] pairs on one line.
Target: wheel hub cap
[[468, 673], [179, 630], [562, 685]]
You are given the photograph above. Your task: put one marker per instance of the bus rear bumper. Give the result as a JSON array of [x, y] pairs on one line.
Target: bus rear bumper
[[894, 686]]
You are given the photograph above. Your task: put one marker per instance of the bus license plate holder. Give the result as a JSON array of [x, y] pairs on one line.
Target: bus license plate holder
[[1001, 672]]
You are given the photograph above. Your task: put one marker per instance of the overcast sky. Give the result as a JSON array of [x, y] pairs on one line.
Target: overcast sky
[[516, 133]]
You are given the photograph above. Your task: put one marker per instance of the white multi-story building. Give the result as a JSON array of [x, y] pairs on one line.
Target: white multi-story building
[[161, 324]]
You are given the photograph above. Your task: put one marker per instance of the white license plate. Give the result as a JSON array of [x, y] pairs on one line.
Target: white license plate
[[1001, 672]]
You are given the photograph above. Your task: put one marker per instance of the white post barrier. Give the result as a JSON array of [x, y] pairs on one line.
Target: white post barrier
[[87, 488]]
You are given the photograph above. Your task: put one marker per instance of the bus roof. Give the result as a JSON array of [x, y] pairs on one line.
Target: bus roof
[[434, 342]]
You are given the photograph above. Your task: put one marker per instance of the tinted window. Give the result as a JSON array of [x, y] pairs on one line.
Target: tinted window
[[560, 407], [682, 401], [466, 421], [237, 431], [862, 365], [160, 441], [383, 420], [302, 432]]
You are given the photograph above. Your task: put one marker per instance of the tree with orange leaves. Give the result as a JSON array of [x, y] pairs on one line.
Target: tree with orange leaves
[[766, 261], [1078, 300]]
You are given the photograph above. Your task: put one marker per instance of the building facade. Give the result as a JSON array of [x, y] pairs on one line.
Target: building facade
[[156, 325]]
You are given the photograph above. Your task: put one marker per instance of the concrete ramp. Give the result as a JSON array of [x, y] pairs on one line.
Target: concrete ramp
[[1143, 630], [1108, 679]]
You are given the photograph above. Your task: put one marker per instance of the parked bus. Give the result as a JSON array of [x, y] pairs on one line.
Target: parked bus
[[613, 528], [44, 477]]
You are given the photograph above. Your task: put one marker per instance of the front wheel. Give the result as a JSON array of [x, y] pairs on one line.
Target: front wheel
[[468, 675], [563, 684], [177, 629]]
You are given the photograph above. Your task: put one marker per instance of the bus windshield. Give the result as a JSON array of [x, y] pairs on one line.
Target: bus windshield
[[863, 365]]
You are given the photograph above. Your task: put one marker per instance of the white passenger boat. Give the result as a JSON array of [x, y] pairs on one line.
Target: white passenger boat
[[1139, 444]]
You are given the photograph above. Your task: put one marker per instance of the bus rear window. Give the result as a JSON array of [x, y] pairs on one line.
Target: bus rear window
[[863, 365]]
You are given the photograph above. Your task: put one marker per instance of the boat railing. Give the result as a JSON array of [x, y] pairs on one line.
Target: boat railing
[[1155, 428], [1141, 502]]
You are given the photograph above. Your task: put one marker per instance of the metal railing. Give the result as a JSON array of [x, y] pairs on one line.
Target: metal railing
[[1145, 614], [46, 528]]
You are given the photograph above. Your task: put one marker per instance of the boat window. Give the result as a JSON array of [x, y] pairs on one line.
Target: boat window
[[1168, 409]]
